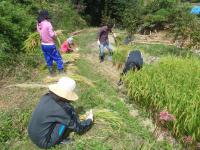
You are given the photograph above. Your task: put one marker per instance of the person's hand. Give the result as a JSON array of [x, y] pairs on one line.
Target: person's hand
[[114, 35], [90, 115], [77, 49], [58, 32], [98, 42]]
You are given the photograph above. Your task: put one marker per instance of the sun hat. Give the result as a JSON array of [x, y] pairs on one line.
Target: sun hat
[[64, 88], [70, 40]]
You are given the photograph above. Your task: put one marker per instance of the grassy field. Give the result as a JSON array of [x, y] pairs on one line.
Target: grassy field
[[169, 85], [114, 127], [172, 85]]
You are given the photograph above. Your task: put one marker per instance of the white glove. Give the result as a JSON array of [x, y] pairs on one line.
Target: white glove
[[114, 35], [77, 49], [90, 115], [98, 42]]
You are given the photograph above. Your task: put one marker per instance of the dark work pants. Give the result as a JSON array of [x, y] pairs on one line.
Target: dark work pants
[[56, 135]]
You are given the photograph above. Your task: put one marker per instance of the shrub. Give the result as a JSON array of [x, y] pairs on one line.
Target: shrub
[[172, 84], [132, 16], [15, 26], [186, 27]]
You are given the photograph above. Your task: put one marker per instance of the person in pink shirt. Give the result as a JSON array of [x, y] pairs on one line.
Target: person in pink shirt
[[47, 34]]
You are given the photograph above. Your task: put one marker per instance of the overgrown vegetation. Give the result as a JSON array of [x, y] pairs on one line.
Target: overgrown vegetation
[[20, 46], [173, 85]]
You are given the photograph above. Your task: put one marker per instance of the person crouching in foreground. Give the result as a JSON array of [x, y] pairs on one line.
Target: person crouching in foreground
[[134, 62], [54, 117], [68, 46]]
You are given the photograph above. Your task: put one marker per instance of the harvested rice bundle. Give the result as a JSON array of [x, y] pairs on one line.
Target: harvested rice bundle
[[32, 43], [70, 57], [108, 117]]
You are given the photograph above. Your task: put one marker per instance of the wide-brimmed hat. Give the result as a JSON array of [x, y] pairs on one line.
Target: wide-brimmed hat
[[64, 88]]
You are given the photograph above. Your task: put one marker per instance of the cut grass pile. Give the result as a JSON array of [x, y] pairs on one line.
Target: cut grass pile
[[172, 84]]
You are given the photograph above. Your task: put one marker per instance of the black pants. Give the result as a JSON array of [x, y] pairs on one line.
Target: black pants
[[56, 135]]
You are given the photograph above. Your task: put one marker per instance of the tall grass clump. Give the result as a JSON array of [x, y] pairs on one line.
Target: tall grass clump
[[171, 85], [120, 55]]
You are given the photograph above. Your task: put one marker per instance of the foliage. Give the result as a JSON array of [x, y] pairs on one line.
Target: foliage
[[18, 23], [12, 63], [186, 27], [120, 55], [32, 43], [174, 87], [15, 24], [132, 16]]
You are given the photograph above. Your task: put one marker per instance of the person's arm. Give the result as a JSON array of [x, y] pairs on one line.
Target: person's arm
[[51, 31], [99, 34], [79, 126], [75, 124]]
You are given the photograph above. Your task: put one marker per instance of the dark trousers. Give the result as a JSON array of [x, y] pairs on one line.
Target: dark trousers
[[56, 135]]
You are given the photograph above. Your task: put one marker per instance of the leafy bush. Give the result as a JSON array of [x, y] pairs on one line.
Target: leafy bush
[[15, 26], [186, 27], [132, 16], [171, 84]]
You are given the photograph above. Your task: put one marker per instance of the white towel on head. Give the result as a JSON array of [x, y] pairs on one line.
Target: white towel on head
[[70, 40]]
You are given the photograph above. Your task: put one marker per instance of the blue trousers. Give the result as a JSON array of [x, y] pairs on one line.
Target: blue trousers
[[102, 47], [52, 54]]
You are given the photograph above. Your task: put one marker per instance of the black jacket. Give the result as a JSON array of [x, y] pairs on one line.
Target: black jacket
[[50, 111], [134, 61]]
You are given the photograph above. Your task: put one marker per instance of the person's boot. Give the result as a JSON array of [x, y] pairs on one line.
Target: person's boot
[[61, 71], [110, 56], [101, 59], [51, 73]]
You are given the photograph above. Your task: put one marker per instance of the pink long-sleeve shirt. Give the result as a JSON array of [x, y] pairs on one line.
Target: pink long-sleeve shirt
[[46, 32]]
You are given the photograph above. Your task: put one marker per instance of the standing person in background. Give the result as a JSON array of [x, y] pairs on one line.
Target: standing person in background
[[48, 35], [103, 40]]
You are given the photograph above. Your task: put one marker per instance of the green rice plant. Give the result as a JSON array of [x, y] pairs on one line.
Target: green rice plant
[[120, 55], [32, 43], [108, 117], [172, 84]]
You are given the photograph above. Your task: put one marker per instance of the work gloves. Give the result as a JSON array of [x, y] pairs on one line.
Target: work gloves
[[90, 115]]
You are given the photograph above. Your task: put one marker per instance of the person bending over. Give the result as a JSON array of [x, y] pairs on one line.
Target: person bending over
[[133, 62]]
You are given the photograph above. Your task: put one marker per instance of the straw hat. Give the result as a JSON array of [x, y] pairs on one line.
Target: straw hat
[[64, 88]]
